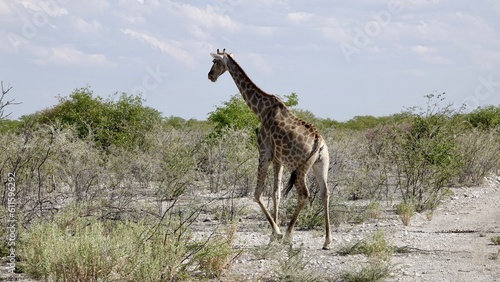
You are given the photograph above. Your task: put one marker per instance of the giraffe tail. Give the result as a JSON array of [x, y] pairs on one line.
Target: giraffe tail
[[290, 184]]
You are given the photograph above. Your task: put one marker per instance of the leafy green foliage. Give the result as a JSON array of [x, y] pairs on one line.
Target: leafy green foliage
[[484, 118], [420, 154], [121, 121], [236, 114], [7, 125]]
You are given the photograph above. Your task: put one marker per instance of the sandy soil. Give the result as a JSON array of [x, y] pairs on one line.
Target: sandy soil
[[454, 245]]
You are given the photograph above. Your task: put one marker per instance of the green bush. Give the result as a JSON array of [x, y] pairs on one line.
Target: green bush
[[235, 114], [487, 117], [120, 121], [419, 157]]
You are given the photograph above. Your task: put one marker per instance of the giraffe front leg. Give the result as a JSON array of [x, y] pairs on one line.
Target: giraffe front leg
[[261, 181]]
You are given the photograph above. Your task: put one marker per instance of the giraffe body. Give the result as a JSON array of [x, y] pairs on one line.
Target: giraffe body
[[284, 141]]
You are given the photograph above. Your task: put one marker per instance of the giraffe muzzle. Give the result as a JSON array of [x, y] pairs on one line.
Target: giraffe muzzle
[[212, 77]]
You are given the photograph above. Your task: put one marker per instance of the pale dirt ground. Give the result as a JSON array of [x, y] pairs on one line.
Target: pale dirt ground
[[453, 246]]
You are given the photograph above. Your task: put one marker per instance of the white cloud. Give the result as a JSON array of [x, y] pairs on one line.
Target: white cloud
[[300, 17], [430, 55], [5, 8], [416, 46], [330, 27], [419, 4], [67, 55], [209, 17], [50, 8], [99, 5], [258, 61], [422, 50], [82, 25], [462, 32], [169, 47]]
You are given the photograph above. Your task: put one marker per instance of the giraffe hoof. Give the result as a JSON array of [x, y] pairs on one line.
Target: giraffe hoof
[[326, 245], [276, 237]]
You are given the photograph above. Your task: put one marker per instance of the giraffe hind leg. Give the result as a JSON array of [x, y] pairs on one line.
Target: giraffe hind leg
[[278, 173], [320, 170], [303, 199]]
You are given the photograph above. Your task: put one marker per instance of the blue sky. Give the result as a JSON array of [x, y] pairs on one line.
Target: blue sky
[[343, 58]]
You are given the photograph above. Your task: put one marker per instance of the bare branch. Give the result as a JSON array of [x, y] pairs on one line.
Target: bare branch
[[5, 103]]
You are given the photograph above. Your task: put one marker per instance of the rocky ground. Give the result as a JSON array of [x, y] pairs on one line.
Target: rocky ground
[[454, 245]]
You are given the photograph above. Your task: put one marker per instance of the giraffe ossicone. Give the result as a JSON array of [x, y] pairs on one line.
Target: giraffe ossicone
[[284, 141]]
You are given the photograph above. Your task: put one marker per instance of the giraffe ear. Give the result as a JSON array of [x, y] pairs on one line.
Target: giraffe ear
[[216, 56]]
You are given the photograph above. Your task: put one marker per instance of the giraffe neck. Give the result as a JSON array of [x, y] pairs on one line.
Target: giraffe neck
[[258, 101]]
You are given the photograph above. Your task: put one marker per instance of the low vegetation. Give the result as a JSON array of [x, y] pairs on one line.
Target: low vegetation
[[108, 189], [495, 240], [405, 212], [378, 249]]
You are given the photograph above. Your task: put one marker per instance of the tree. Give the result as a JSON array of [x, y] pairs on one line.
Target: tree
[[235, 113], [4, 103], [121, 120], [487, 117]]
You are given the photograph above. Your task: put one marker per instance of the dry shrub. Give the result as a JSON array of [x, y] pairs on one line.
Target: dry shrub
[[480, 155], [405, 212], [229, 162], [216, 255], [74, 247]]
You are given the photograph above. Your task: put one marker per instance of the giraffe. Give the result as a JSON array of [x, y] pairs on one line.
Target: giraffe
[[285, 141]]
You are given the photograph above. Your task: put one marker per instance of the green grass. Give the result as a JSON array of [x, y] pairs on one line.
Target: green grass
[[405, 212], [495, 240], [374, 246], [372, 272]]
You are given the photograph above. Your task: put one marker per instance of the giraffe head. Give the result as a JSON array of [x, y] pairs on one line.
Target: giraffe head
[[219, 66]]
